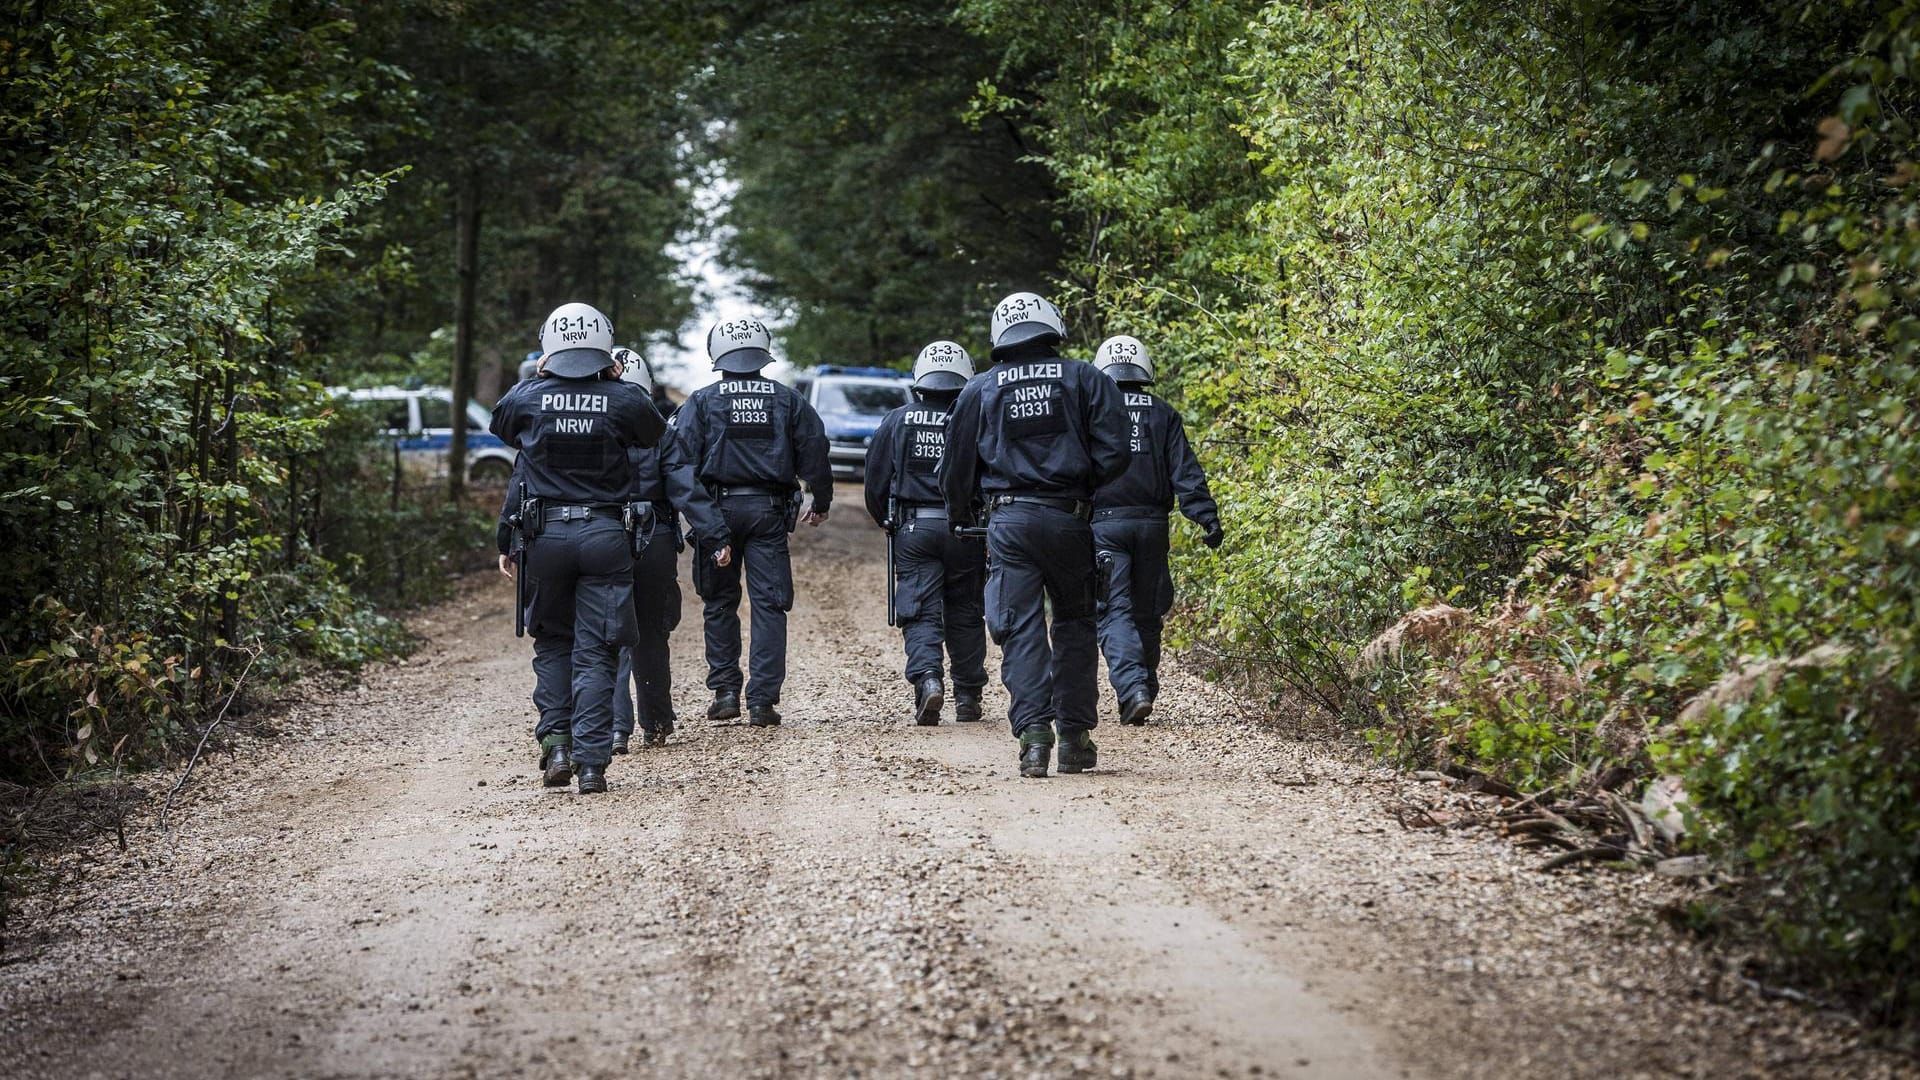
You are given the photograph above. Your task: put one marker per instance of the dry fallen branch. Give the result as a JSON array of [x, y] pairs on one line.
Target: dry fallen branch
[[1474, 780], [1636, 823], [1586, 826], [1602, 853], [205, 735]]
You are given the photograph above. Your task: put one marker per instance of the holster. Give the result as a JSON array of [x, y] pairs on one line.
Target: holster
[[637, 519], [793, 510]]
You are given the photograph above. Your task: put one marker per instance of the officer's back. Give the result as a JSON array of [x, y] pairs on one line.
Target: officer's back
[[753, 440], [1039, 424], [573, 435], [1037, 435], [573, 426]]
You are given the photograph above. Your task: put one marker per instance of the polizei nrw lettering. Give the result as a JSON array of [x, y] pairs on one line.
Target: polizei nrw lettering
[[761, 387], [573, 403], [1023, 372]]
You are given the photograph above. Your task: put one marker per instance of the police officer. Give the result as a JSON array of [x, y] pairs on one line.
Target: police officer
[[1130, 529], [572, 426], [938, 575], [1036, 435], [752, 441], [665, 486]]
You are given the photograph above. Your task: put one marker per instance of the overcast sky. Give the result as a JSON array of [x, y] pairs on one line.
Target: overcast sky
[[717, 294]]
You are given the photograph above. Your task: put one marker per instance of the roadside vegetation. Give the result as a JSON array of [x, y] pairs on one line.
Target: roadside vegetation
[[1565, 350], [1555, 363]]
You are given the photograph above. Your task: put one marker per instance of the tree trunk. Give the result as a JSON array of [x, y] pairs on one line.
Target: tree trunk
[[467, 224]]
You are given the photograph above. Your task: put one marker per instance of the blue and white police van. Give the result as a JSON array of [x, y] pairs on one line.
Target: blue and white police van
[[419, 420], [851, 402]]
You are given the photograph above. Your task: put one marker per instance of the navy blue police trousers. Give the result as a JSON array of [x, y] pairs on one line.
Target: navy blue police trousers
[[580, 613], [1036, 555]]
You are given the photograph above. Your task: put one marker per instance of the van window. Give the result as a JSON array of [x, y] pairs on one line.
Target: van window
[[435, 413]]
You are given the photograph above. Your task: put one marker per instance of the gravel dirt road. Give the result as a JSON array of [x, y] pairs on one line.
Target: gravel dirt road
[[383, 889]]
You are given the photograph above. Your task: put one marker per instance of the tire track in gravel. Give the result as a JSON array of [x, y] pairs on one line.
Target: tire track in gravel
[[384, 890]]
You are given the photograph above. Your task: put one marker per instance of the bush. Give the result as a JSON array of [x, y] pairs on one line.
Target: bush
[[1595, 325], [1809, 786], [190, 510]]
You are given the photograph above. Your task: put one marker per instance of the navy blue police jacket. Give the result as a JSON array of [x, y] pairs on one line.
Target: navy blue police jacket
[[750, 431], [664, 475], [1033, 426], [903, 460], [573, 436], [1162, 466]]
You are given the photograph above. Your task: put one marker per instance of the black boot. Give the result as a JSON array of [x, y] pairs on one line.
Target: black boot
[[593, 779], [651, 739], [763, 716], [556, 765], [1134, 710], [1077, 752], [1035, 750], [928, 696], [620, 742], [966, 706], [726, 705]]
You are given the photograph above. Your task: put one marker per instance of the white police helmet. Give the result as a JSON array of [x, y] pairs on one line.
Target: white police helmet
[[1026, 316], [739, 346], [942, 366], [578, 341], [633, 368], [1124, 360]]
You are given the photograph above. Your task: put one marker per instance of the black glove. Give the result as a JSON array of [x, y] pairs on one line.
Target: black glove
[[1215, 536]]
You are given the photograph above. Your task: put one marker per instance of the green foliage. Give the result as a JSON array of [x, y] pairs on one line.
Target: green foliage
[[1593, 320], [175, 176], [866, 205], [566, 121], [1811, 786]]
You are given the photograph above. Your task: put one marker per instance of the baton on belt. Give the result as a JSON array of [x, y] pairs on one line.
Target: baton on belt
[[892, 526], [518, 519]]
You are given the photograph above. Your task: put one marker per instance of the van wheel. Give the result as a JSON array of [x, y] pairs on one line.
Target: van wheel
[[491, 472]]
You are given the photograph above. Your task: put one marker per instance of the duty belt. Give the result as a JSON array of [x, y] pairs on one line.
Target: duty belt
[[580, 513], [1079, 508], [938, 513], [744, 490], [1130, 513]]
